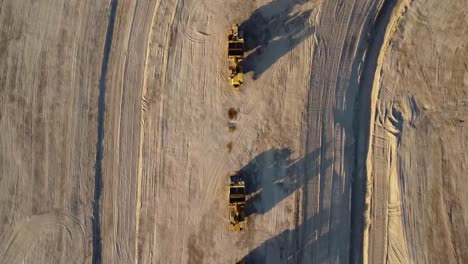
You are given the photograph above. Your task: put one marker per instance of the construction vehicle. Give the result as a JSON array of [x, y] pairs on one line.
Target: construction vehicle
[[237, 220], [235, 57]]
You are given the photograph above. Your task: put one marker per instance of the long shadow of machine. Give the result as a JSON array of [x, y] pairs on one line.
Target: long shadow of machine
[[290, 246], [311, 239], [274, 175], [272, 31]]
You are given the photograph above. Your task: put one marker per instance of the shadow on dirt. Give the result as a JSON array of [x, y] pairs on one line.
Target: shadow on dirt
[[98, 182], [308, 242], [287, 247], [273, 175], [272, 31]]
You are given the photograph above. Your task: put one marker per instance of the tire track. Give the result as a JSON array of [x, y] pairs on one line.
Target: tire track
[[188, 18], [340, 40], [327, 47], [142, 131], [167, 48], [26, 233], [385, 26], [96, 225], [161, 119]]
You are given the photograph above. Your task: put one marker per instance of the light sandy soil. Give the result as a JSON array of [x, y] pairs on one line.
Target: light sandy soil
[[165, 175], [50, 57], [115, 146], [418, 155]]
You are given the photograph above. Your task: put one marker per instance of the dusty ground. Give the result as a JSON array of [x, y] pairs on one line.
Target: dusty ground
[[116, 147], [419, 152], [294, 133], [50, 56]]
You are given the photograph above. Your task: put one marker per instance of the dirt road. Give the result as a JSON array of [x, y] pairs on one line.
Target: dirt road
[[116, 142]]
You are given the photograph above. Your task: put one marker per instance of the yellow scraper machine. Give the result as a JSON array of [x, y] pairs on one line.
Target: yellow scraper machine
[[235, 57], [237, 219]]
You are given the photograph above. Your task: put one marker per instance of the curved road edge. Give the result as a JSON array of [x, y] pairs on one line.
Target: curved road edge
[[383, 30]]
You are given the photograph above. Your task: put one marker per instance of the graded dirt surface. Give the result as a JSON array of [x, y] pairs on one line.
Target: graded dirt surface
[[50, 57], [419, 146], [119, 131], [167, 136]]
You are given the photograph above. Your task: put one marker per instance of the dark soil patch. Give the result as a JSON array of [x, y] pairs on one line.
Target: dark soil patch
[[229, 147], [232, 113]]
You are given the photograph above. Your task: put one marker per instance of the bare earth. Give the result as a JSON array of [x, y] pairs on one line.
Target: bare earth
[[115, 144], [418, 160], [50, 56]]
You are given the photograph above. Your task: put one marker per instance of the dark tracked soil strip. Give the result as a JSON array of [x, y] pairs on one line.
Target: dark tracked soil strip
[[358, 194], [96, 226]]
